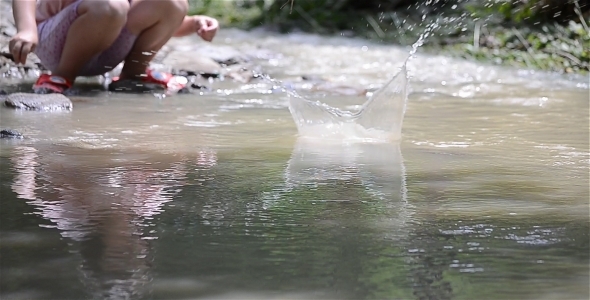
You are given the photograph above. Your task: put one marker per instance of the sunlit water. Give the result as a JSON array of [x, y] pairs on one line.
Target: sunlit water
[[216, 196]]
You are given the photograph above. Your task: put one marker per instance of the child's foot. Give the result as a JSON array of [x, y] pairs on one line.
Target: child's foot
[[153, 81], [170, 82], [48, 84]]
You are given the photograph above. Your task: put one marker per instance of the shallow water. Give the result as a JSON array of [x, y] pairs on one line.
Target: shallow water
[[215, 197]]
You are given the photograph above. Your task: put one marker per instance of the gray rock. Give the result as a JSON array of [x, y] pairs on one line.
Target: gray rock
[[10, 134], [43, 102]]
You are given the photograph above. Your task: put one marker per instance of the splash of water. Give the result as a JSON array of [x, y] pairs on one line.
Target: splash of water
[[378, 120], [430, 28]]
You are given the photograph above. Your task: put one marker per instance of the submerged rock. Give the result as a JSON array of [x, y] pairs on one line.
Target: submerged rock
[[10, 134], [44, 102]]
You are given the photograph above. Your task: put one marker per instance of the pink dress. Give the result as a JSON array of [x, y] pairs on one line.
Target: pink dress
[[54, 18], [49, 8]]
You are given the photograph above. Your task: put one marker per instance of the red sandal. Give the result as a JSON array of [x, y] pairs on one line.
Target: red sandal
[[48, 84], [171, 82]]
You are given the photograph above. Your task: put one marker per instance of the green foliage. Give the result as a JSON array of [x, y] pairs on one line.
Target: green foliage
[[553, 47], [525, 11]]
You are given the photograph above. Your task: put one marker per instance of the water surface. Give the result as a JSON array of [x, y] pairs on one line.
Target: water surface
[[215, 196]]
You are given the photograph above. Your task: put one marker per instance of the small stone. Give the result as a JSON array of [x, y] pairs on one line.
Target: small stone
[[44, 102], [10, 134]]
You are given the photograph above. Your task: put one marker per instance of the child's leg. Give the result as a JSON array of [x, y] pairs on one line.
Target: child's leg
[[81, 30], [97, 26], [154, 21]]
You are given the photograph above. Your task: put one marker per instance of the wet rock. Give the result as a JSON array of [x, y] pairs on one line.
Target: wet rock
[[44, 102], [10, 134]]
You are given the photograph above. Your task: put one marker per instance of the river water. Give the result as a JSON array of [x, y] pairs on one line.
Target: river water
[[215, 196]]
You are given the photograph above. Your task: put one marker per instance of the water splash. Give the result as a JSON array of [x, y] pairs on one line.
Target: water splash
[[378, 120], [430, 28]]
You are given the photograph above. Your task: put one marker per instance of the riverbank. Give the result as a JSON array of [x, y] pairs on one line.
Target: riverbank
[[462, 30]]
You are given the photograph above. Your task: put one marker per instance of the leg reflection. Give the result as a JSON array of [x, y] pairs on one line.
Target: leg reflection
[[105, 210]]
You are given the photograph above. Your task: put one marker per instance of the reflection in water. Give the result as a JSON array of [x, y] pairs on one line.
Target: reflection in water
[[105, 212], [378, 167]]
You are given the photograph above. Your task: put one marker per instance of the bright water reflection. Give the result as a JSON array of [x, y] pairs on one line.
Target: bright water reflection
[[215, 196]]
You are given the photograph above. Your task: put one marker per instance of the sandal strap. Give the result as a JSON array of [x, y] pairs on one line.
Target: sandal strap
[[52, 82]]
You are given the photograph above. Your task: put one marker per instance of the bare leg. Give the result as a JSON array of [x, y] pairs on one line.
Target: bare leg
[[97, 27], [155, 22]]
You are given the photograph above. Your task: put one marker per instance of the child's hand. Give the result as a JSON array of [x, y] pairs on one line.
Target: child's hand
[[23, 43], [206, 27]]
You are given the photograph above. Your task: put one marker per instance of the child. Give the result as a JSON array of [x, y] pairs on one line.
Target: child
[[90, 37]]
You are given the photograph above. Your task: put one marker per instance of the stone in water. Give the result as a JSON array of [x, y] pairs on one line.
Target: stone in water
[[10, 134], [43, 102]]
